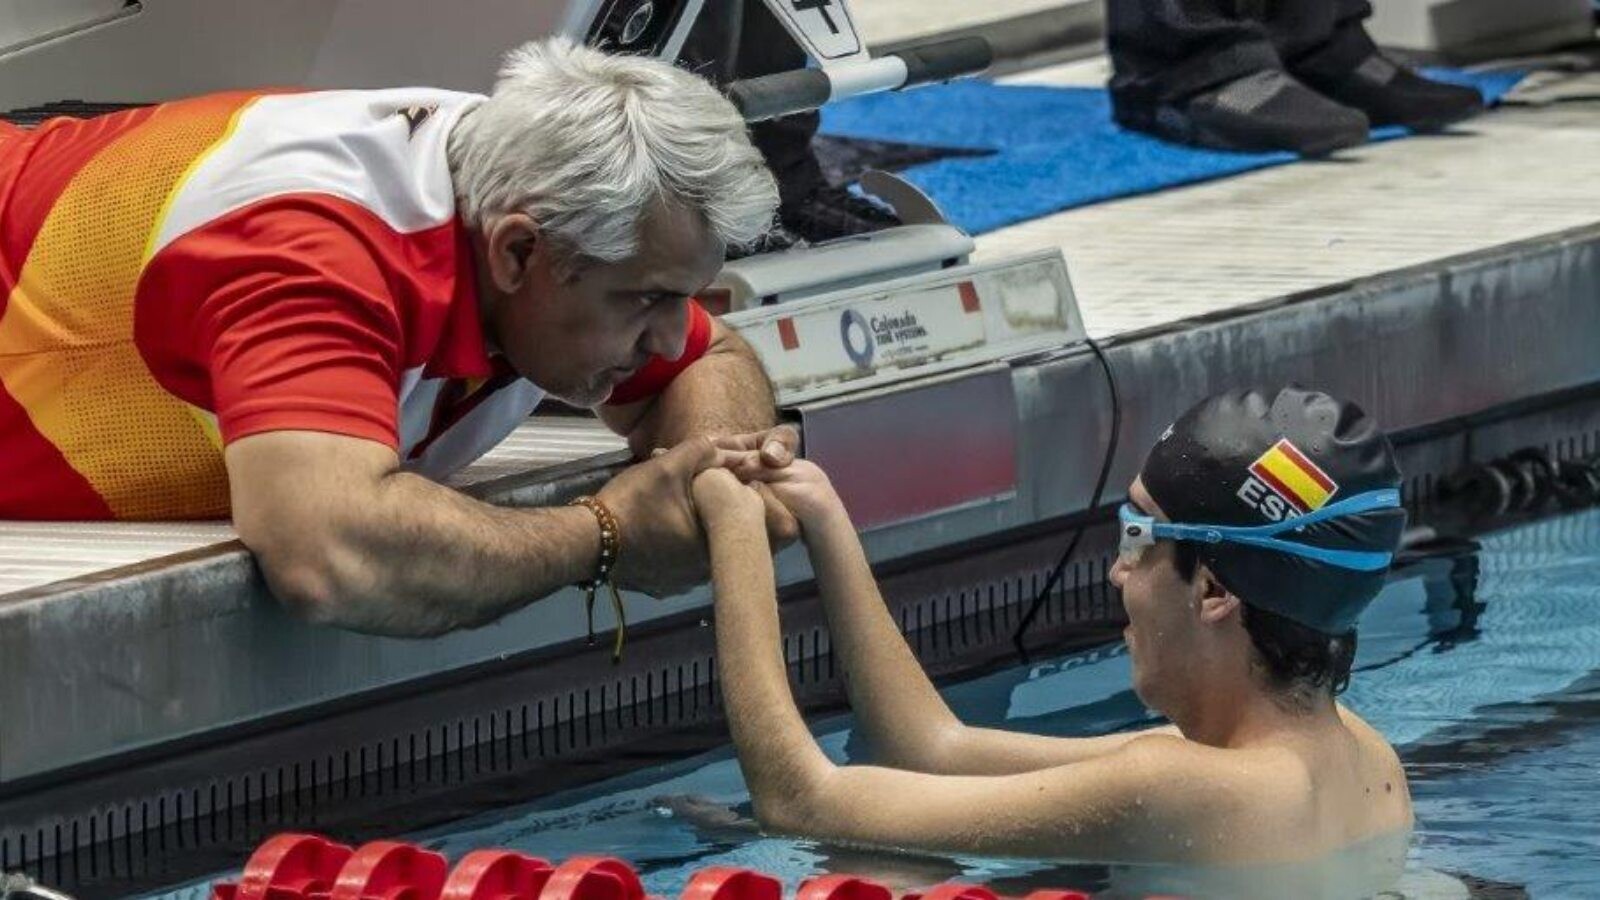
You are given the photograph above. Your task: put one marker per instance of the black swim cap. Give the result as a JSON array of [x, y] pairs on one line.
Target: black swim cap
[[1247, 458]]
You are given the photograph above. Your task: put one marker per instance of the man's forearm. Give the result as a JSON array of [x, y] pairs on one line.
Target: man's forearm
[[426, 560], [724, 392]]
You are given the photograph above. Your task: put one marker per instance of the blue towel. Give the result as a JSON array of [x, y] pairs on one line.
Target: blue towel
[[1056, 148]]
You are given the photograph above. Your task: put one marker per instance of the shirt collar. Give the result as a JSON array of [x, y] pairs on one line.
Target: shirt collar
[[462, 351]]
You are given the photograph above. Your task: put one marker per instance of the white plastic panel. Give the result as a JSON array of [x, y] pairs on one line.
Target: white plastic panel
[[1480, 28], [26, 21], [883, 21], [164, 49]]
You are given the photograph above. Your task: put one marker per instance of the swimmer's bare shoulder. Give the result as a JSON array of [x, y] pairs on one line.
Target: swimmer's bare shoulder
[[1204, 804], [1385, 767], [1210, 804]]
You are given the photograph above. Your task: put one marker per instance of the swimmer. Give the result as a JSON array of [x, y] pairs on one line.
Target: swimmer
[[1258, 530]]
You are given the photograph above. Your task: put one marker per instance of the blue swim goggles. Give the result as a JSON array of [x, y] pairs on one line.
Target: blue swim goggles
[[1140, 531]]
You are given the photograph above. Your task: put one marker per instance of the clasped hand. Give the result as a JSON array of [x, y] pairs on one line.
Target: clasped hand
[[746, 487], [663, 544]]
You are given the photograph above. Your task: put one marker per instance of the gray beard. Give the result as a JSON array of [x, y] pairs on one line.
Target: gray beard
[[583, 398]]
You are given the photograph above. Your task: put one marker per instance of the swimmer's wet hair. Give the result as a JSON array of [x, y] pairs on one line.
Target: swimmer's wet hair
[[589, 144], [1297, 663]]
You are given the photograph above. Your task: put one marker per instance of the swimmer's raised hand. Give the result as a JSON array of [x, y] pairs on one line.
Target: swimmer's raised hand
[[662, 547], [721, 498], [802, 487], [771, 450]]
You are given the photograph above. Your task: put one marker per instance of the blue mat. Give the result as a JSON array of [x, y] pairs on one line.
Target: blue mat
[[1056, 148]]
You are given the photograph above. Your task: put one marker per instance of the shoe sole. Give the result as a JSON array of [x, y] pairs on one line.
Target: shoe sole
[[1334, 144], [1327, 147], [1430, 126], [1200, 136]]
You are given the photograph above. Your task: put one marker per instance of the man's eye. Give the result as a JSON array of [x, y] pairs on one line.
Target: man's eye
[[648, 301]]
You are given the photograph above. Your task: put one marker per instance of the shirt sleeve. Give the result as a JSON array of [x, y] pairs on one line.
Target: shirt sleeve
[[291, 319], [656, 374]]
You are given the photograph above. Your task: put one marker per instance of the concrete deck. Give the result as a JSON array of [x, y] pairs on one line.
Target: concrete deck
[[1139, 263]]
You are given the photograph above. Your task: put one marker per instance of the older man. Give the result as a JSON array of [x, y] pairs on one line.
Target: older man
[[302, 307]]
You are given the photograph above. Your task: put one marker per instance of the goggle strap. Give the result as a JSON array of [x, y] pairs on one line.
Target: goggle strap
[[1263, 536], [1356, 560]]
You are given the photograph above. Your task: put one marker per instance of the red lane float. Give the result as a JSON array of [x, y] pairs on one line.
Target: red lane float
[[954, 891], [842, 887], [724, 883], [311, 867], [593, 878], [288, 867], [390, 870], [497, 875]]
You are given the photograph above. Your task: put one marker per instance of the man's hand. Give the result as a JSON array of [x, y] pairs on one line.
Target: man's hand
[[663, 552], [778, 446], [721, 498]]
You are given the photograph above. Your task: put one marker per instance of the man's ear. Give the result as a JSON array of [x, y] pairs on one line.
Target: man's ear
[[1215, 603], [511, 242]]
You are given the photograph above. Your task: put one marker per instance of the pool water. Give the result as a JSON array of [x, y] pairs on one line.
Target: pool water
[[1484, 671]]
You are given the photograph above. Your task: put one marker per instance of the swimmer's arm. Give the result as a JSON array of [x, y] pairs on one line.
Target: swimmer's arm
[[1123, 805], [1140, 803], [776, 750], [905, 721]]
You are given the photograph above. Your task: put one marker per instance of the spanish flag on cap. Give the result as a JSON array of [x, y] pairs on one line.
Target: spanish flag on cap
[[1292, 476]]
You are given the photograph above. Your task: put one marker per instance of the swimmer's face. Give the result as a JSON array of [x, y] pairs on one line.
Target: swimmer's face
[[579, 330], [1162, 629]]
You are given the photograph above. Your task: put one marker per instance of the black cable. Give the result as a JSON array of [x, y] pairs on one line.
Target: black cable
[[1094, 503]]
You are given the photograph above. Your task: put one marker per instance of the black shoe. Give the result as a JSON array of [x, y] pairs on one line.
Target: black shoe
[[1262, 111], [1391, 94], [833, 212]]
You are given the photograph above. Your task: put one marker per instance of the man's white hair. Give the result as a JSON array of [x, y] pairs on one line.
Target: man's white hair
[[588, 144]]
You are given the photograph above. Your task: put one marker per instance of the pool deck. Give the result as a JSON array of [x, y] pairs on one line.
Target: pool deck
[[1379, 208], [1137, 264], [1437, 279]]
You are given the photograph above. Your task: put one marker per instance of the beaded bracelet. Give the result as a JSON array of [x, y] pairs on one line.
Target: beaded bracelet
[[610, 547]]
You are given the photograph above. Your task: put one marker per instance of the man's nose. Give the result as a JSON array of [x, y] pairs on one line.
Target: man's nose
[[668, 330]]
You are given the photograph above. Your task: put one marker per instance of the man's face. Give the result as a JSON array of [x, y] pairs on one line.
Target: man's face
[[1163, 627], [579, 333]]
